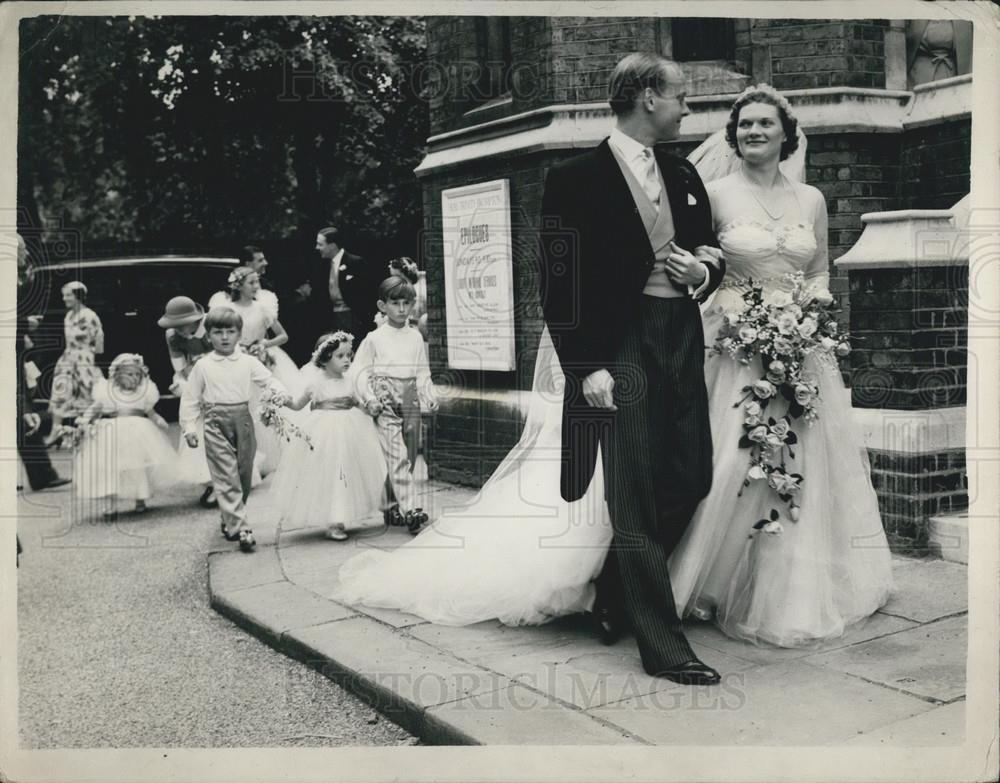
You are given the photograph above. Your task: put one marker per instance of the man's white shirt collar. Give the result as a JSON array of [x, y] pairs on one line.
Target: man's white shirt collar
[[627, 147], [335, 261]]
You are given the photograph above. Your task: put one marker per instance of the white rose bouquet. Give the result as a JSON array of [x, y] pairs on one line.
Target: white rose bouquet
[[782, 329]]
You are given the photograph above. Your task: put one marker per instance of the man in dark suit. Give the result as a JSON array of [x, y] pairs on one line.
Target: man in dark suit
[[30, 441], [620, 294], [341, 288]]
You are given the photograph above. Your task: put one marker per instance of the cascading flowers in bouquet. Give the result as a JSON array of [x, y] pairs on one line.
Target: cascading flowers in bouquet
[[271, 416], [781, 328]]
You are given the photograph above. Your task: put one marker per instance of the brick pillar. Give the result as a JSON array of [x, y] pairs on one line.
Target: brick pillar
[[908, 281]]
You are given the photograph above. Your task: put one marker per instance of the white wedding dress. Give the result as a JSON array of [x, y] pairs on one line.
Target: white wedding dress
[[832, 567], [518, 553]]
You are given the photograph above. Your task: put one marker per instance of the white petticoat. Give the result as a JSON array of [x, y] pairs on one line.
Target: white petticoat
[[340, 480], [126, 457]]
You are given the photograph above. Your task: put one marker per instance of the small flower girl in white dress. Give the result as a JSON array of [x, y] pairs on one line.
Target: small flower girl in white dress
[[125, 451], [337, 476]]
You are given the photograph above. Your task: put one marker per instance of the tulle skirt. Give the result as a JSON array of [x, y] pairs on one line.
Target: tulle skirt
[[822, 573], [270, 446], [518, 553], [125, 457], [340, 480]]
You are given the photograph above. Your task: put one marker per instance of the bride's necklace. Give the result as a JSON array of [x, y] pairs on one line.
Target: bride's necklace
[[753, 192]]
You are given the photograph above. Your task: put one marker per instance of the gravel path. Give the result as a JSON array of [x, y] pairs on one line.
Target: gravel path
[[118, 646]]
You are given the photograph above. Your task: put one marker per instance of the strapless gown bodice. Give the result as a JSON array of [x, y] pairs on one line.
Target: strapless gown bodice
[[754, 250]]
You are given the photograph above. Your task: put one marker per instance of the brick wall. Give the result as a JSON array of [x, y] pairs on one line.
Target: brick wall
[[469, 437], [913, 488], [910, 335], [934, 163], [795, 54]]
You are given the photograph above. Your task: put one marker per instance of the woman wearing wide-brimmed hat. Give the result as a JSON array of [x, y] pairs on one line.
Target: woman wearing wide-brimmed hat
[[187, 342]]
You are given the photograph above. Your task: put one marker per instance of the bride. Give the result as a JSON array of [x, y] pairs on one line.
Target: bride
[[520, 554], [832, 567]]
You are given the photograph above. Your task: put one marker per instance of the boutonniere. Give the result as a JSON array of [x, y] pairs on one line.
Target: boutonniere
[[342, 267], [692, 201]]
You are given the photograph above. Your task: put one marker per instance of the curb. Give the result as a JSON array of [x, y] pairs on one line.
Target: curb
[[430, 693]]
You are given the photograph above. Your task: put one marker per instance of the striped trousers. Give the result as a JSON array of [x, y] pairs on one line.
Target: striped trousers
[[658, 467]]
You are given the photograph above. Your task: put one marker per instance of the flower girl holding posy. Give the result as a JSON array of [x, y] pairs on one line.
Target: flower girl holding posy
[[217, 399], [124, 452], [392, 363], [339, 477]]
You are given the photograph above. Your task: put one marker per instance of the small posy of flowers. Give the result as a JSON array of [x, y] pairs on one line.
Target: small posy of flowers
[[385, 392], [73, 437], [259, 352], [781, 328], [271, 416]]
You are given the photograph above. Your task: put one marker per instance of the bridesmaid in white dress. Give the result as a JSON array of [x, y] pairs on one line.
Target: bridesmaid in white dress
[[832, 567]]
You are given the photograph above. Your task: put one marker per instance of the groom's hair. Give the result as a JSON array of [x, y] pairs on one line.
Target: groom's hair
[[633, 74]]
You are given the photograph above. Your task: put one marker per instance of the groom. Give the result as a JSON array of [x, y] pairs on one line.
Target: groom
[[620, 294]]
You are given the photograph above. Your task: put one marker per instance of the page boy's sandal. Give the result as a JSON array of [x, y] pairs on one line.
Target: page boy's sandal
[[247, 541], [336, 533], [226, 534]]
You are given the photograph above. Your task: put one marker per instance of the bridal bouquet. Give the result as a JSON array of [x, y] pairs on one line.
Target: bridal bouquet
[[271, 416], [782, 329]]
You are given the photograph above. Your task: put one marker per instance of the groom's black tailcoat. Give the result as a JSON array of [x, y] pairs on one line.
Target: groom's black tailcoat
[[656, 447]]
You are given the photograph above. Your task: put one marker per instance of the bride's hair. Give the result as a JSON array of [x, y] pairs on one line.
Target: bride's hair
[[765, 93]]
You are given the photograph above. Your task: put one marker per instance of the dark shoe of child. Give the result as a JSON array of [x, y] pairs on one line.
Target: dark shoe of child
[[226, 534], [207, 499], [393, 517], [415, 520], [247, 541]]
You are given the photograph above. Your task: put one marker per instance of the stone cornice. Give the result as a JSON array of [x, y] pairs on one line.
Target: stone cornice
[[820, 111], [906, 239]]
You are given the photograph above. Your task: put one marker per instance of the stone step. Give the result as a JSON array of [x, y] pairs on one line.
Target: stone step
[[948, 537]]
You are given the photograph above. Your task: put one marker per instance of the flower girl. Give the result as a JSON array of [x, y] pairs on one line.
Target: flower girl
[[124, 451], [338, 475]]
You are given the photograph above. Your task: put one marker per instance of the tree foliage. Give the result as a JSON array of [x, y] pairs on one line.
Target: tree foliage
[[150, 129]]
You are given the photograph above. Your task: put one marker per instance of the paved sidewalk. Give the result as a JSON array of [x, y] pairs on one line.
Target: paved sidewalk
[[897, 679]]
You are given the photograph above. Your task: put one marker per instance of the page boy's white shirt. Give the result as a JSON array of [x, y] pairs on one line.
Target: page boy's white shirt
[[223, 380], [397, 353]]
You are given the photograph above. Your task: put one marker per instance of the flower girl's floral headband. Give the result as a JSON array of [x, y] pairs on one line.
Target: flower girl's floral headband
[[126, 360], [238, 277], [406, 268], [334, 339]]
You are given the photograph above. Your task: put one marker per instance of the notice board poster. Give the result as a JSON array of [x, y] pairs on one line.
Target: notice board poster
[[478, 276]]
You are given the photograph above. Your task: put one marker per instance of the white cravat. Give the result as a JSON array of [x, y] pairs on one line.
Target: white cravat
[[651, 178]]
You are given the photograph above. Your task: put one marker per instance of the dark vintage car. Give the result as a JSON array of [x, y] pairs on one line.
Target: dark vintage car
[[128, 295]]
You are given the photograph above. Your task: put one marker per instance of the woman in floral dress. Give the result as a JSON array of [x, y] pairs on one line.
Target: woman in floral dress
[[76, 370]]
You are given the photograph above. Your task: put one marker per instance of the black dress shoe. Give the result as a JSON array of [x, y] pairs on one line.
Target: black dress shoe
[[608, 628], [207, 500], [56, 482], [692, 672]]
